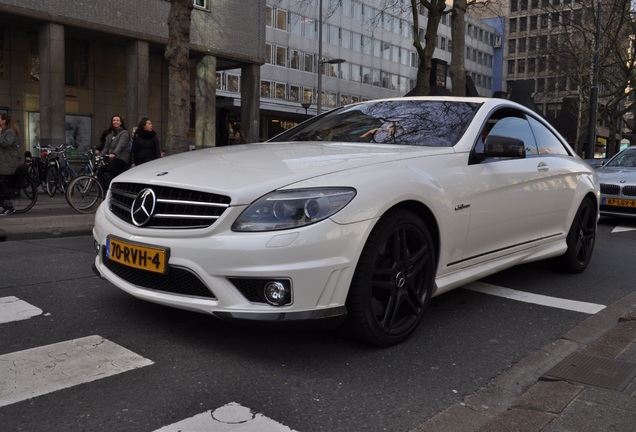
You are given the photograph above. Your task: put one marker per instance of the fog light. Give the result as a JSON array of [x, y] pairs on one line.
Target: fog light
[[275, 293], [96, 246]]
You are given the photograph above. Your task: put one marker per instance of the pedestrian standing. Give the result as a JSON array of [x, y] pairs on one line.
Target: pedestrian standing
[[146, 145], [115, 146], [9, 161]]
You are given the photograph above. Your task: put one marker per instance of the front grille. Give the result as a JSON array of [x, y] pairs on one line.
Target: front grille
[[610, 189], [175, 208], [176, 281], [629, 190]]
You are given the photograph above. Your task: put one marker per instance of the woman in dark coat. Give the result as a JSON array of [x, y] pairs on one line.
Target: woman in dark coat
[[146, 145], [8, 160]]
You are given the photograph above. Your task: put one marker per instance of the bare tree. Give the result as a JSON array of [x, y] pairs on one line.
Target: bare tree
[[458, 33], [177, 54]]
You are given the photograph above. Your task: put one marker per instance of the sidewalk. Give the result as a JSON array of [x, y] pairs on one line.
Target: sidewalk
[[50, 217], [583, 381]]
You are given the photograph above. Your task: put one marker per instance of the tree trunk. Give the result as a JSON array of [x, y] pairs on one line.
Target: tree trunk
[[435, 10], [177, 54], [457, 66]]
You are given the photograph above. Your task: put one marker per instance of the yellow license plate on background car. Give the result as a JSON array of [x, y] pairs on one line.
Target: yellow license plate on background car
[[137, 255], [619, 202]]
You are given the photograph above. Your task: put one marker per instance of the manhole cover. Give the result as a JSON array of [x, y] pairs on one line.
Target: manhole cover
[[594, 371]]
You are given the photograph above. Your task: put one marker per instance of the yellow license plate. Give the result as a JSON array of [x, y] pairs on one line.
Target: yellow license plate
[[137, 255], [620, 202]]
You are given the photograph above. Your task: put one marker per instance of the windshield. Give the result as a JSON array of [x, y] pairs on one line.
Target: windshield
[[626, 158], [401, 122]]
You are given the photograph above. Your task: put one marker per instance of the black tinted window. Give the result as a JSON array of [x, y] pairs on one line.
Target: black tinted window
[[417, 123]]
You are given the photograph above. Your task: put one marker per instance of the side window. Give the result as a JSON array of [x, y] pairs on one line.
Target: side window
[[514, 127], [547, 142]]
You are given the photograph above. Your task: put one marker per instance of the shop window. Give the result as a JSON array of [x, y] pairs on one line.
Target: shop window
[[220, 84], [76, 63]]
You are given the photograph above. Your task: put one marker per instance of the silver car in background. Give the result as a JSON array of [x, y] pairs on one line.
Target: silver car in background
[[617, 178]]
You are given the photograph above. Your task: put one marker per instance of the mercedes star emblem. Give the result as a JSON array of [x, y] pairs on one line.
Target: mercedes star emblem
[[143, 207]]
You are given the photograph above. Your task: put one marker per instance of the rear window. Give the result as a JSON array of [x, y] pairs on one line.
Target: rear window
[[415, 123]]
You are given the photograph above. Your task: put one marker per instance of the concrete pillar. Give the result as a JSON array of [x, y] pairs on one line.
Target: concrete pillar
[[52, 79], [137, 82], [205, 103], [250, 101]]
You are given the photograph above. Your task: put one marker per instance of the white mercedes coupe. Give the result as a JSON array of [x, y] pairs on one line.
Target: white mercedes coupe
[[356, 217]]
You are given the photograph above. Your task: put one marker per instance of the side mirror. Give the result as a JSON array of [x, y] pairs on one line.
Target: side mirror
[[504, 147]]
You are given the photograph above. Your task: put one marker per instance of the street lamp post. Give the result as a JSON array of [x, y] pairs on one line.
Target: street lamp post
[[321, 61]]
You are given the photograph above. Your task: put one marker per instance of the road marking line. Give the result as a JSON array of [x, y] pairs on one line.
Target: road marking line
[[38, 371], [228, 418], [573, 305], [14, 309], [620, 228]]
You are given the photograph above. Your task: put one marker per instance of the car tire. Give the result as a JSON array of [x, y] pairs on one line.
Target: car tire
[[393, 280], [580, 240]]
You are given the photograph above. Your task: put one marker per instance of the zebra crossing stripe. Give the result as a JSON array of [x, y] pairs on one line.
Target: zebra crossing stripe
[[38, 371], [229, 418], [14, 309]]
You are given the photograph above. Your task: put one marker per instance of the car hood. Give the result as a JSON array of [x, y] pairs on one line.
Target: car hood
[[616, 174], [245, 172]]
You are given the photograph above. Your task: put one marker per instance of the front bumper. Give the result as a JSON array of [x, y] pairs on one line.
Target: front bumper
[[317, 260]]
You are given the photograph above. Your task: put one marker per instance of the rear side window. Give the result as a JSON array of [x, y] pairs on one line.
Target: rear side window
[[516, 127], [547, 142]]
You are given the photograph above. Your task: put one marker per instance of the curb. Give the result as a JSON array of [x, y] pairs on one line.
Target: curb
[[520, 399]]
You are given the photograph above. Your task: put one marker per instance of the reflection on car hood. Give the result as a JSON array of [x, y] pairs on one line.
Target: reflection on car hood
[[245, 172], [615, 174]]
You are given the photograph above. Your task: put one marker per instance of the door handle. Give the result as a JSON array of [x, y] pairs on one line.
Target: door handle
[[542, 166]]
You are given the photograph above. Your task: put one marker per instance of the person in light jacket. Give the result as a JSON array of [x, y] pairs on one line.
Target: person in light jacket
[[116, 146], [9, 161], [146, 145]]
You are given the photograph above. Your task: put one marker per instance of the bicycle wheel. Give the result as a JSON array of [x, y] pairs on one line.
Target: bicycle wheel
[[34, 172], [25, 197], [52, 179], [66, 175], [85, 194]]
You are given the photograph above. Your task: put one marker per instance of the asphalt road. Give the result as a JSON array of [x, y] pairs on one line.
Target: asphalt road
[[305, 381]]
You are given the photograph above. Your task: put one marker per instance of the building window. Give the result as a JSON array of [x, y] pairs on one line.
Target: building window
[[294, 59], [268, 54], [76, 63], [281, 56], [281, 91], [308, 95], [281, 19], [269, 16], [266, 89], [200, 4], [233, 83], [294, 93], [309, 63]]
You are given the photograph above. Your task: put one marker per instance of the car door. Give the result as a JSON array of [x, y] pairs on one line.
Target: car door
[[512, 206]]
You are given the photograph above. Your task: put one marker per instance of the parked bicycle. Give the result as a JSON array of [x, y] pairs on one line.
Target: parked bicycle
[[23, 191], [86, 192], [37, 167], [59, 171]]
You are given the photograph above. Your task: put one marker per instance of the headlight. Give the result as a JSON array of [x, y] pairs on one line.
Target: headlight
[[281, 210]]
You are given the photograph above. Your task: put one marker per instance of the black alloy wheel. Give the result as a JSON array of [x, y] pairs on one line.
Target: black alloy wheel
[[393, 280], [580, 240]]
